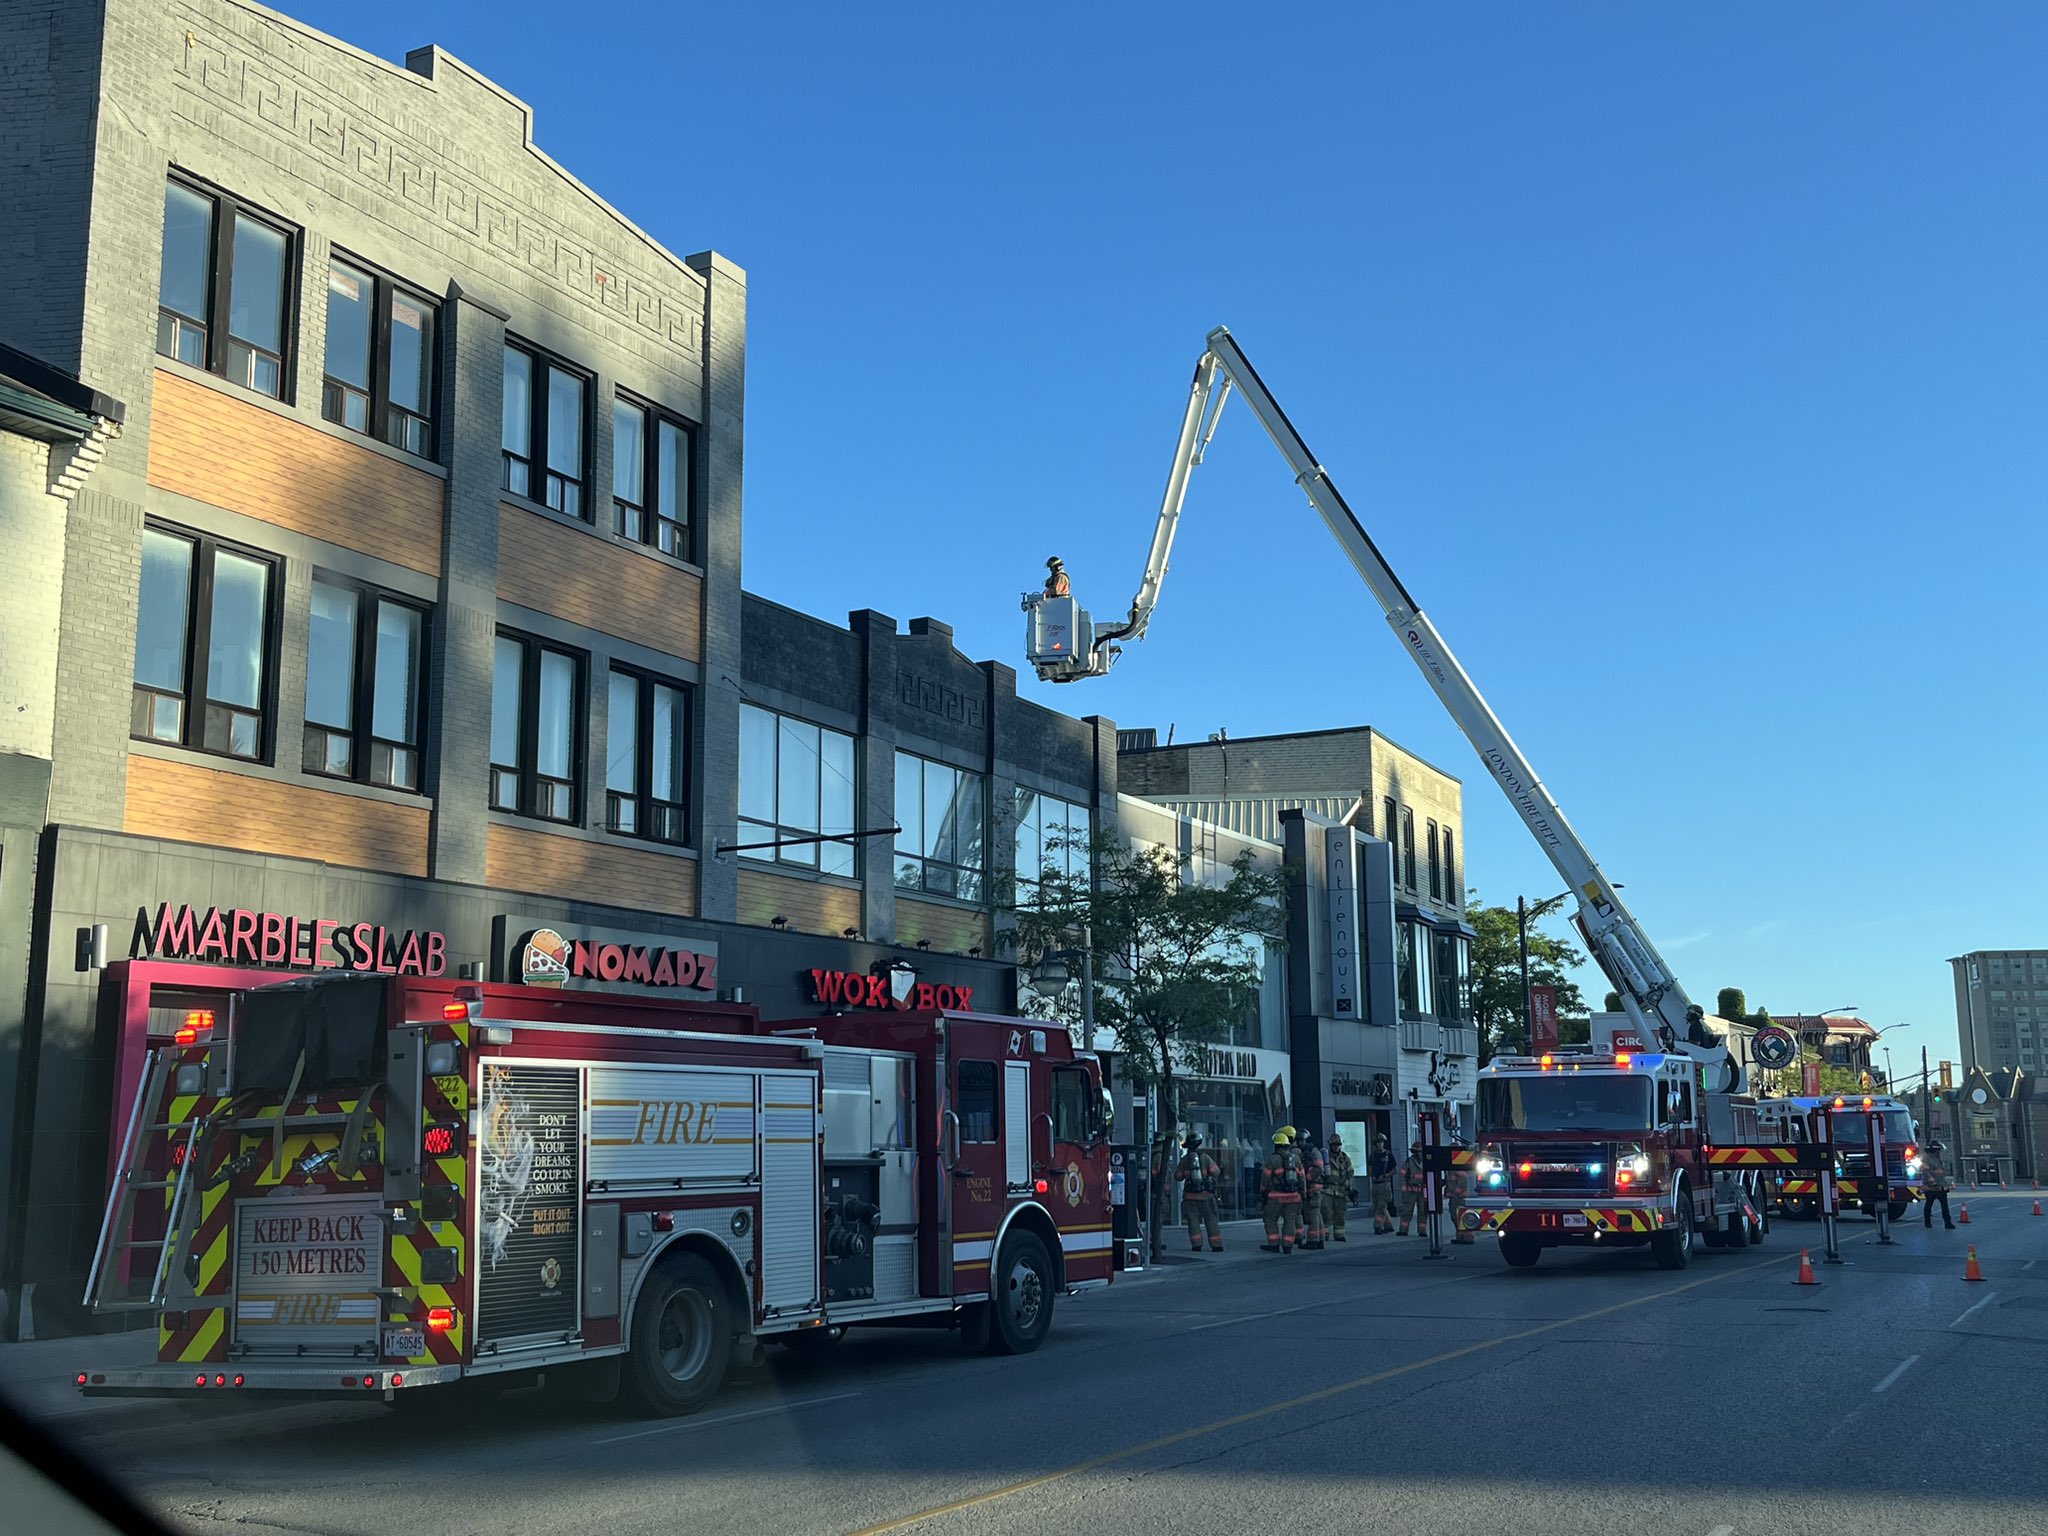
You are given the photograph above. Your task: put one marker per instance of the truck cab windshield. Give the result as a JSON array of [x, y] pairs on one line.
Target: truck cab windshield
[[1565, 1102]]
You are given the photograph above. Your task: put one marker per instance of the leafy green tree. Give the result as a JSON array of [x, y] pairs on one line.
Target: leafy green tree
[[1611, 1003], [1730, 1003], [1177, 963], [1497, 974]]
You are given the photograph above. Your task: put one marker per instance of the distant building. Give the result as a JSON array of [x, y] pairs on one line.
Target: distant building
[[1838, 1040], [1382, 1033], [2002, 1009]]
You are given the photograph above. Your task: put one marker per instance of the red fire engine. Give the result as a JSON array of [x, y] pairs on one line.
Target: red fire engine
[[1612, 1149], [368, 1186]]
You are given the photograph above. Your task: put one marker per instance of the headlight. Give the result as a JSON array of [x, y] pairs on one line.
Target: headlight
[[1485, 1165], [1639, 1165]]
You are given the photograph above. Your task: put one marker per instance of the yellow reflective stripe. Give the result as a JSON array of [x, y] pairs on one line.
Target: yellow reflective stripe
[[208, 1335]]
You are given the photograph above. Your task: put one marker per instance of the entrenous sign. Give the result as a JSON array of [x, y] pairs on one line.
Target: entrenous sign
[[239, 936], [1342, 883], [894, 987], [547, 959]]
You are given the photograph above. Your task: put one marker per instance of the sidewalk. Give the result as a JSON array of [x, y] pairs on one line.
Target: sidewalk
[[1241, 1241], [40, 1378]]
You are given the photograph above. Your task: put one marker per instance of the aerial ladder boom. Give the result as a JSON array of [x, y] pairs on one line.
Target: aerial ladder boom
[[1650, 993]]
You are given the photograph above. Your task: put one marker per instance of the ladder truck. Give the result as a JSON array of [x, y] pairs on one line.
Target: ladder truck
[[1063, 645]]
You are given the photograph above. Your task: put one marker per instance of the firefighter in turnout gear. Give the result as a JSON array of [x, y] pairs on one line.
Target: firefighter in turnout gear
[[1056, 582], [1198, 1175], [1313, 1177], [1411, 1193], [1337, 1193], [1380, 1168], [1280, 1184], [1456, 1184]]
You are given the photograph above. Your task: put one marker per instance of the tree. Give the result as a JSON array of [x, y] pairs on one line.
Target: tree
[[1178, 963], [1611, 1003], [1497, 974], [1731, 1003]]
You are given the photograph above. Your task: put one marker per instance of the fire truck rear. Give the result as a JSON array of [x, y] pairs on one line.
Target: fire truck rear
[[1844, 1120], [1609, 1149], [368, 1187]]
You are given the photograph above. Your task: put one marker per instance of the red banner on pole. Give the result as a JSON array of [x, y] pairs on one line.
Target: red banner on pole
[[1809, 1079], [1542, 1019]]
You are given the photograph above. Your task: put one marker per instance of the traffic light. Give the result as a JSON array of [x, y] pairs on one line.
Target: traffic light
[[1948, 1074], [1866, 1081]]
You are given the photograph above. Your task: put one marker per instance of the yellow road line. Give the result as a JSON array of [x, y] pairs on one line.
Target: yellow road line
[[1129, 1451]]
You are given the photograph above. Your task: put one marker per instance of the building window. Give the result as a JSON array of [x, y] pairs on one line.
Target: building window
[[1388, 823], [796, 781], [647, 730], [1408, 847], [224, 288], [1453, 978], [940, 812], [1052, 835], [203, 645], [536, 725], [364, 655], [1436, 865], [651, 477], [546, 408], [380, 358], [1452, 893]]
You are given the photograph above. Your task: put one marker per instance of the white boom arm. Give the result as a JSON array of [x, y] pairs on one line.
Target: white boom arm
[[1649, 991]]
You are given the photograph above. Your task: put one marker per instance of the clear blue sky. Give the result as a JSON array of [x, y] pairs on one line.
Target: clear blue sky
[[1687, 362]]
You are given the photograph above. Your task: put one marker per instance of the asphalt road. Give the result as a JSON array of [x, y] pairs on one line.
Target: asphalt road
[[1360, 1388]]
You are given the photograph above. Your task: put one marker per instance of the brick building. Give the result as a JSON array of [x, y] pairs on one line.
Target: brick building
[[401, 625]]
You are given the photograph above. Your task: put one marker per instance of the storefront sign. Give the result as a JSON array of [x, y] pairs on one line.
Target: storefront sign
[[543, 956], [1221, 1063], [1376, 1086], [895, 987], [238, 936], [1342, 883]]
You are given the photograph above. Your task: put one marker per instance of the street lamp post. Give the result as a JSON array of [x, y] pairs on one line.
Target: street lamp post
[[1523, 910]]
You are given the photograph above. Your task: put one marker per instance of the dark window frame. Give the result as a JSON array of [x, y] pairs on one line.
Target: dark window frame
[[526, 772], [904, 860], [199, 638], [539, 362], [646, 821], [1436, 863], [227, 208], [1408, 847], [651, 522], [364, 740], [801, 854], [383, 289], [1390, 832], [969, 1118], [1451, 892]]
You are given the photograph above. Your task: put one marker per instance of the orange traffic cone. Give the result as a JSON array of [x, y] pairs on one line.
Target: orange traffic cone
[[1805, 1276], [1970, 1270], [2037, 1207], [1963, 1213]]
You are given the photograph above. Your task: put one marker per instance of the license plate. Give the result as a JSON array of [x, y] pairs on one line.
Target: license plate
[[405, 1342], [1574, 1220]]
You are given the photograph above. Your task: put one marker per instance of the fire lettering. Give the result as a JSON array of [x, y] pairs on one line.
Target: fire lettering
[[665, 1122]]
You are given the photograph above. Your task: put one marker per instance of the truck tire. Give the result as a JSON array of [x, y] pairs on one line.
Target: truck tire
[[1672, 1248], [1520, 1250], [1020, 1296], [682, 1337], [1897, 1208]]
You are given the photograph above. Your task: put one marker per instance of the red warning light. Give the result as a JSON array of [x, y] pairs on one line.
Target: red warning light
[[443, 1139]]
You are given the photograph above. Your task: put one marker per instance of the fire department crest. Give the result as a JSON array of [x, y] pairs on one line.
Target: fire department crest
[[1073, 1183], [550, 1273]]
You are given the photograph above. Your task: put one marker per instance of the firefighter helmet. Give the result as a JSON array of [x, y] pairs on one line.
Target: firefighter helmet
[[1054, 563], [1284, 1136]]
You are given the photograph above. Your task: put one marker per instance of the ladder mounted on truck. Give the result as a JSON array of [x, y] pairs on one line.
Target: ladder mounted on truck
[[1063, 645]]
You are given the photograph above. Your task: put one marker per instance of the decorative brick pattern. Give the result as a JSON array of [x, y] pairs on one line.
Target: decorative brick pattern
[[601, 585], [576, 869], [229, 453], [811, 906], [193, 804]]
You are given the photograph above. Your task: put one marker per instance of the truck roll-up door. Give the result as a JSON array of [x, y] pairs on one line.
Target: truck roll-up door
[[789, 1192], [1017, 1123]]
